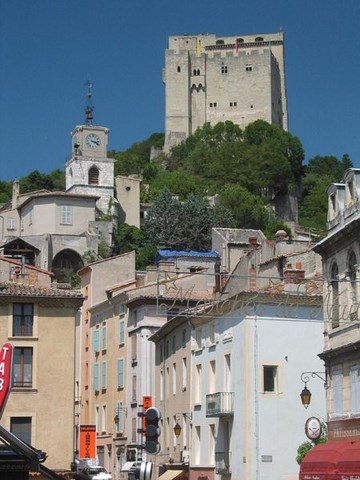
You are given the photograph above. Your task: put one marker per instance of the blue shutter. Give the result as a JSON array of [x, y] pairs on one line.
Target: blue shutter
[[96, 345], [120, 372], [103, 375], [122, 332], [104, 343], [96, 377]]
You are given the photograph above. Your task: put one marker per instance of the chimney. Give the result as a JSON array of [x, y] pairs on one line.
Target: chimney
[[294, 275], [15, 194]]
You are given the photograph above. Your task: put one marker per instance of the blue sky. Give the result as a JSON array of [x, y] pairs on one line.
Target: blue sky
[[49, 48]]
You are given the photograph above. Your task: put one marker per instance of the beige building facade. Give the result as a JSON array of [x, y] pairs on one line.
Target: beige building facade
[[39, 321], [211, 78]]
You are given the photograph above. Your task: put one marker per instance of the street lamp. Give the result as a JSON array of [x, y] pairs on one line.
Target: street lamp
[[177, 430], [305, 395]]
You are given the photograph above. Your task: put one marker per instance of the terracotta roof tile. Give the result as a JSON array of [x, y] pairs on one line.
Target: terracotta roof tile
[[20, 289]]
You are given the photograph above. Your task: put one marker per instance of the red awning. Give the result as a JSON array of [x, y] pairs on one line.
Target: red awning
[[349, 462], [322, 461]]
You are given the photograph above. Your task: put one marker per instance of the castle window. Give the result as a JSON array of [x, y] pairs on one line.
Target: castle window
[[259, 39], [224, 68], [194, 72], [219, 42], [240, 40], [179, 69], [198, 71], [248, 67], [94, 176], [231, 104]]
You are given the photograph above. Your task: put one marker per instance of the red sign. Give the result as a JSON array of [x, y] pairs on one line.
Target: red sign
[[6, 355], [87, 441]]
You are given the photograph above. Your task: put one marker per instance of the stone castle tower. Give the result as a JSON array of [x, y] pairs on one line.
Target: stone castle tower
[[213, 79]]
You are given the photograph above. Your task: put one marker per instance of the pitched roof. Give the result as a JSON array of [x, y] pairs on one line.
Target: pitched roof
[[15, 289]]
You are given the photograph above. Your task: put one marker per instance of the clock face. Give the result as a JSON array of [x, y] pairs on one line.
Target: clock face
[[92, 140]]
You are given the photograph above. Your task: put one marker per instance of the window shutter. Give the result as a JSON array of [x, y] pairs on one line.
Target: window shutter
[[96, 345], [119, 426], [120, 372], [122, 332], [355, 388], [103, 375], [96, 377], [104, 338]]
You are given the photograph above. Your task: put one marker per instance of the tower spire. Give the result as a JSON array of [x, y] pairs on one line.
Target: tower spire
[[89, 107]]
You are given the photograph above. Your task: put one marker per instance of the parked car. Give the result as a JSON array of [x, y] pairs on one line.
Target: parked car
[[92, 473]]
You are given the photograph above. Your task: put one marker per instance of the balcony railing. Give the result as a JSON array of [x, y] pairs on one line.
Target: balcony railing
[[219, 404], [223, 462]]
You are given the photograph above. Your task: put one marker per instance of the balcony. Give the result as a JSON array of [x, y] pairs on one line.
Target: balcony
[[219, 404], [222, 463]]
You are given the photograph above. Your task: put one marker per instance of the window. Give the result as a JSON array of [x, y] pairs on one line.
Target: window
[[103, 422], [198, 380], [335, 317], [248, 67], [212, 376], [224, 69], [22, 367], [179, 69], [120, 372], [355, 388], [104, 338], [94, 176], [219, 42], [11, 224], [21, 427], [96, 377], [134, 381], [23, 318], [337, 384], [103, 376], [96, 341], [184, 374], [270, 378], [66, 215], [259, 39], [174, 379], [119, 417], [134, 348], [183, 339], [121, 332], [352, 266]]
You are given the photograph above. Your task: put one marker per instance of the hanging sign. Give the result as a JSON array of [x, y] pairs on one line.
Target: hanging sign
[[87, 441], [6, 356]]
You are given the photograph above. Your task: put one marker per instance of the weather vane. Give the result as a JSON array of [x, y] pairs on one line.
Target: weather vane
[[89, 108]]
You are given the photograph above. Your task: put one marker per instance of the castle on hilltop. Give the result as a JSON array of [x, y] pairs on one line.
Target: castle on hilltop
[[213, 79]]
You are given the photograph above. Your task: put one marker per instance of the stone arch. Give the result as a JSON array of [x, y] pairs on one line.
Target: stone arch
[[65, 263], [259, 39]]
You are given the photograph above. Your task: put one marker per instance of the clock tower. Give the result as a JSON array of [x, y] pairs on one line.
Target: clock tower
[[89, 171]]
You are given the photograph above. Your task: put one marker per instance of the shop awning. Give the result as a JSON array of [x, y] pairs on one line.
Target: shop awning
[[349, 463], [127, 466], [170, 474], [325, 459]]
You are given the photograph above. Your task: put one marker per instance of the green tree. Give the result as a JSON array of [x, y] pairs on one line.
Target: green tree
[[5, 191], [183, 225]]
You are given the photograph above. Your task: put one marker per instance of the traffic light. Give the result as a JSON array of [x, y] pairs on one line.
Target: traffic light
[[152, 430]]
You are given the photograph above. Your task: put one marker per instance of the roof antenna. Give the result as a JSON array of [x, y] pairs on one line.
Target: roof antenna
[[89, 108]]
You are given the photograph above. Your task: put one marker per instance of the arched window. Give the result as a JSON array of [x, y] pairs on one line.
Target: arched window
[[194, 72], [93, 176], [219, 42], [335, 296], [240, 40], [259, 39], [352, 267], [198, 71]]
